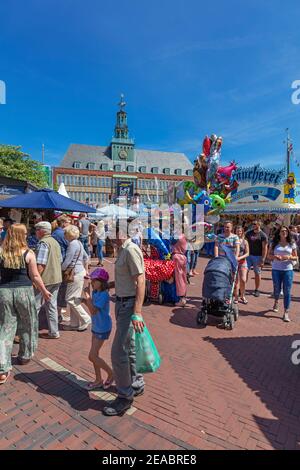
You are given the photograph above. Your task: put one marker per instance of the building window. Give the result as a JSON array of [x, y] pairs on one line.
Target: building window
[[178, 171], [104, 166], [130, 168], [154, 170], [91, 166], [189, 172], [142, 169], [77, 165], [117, 167], [167, 171]]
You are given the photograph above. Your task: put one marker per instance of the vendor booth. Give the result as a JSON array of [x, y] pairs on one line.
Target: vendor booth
[[263, 191]]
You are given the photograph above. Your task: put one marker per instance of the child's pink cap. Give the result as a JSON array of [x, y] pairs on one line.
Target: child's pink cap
[[100, 274]]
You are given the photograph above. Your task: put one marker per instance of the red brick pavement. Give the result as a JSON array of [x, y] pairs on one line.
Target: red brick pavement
[[216, 389]]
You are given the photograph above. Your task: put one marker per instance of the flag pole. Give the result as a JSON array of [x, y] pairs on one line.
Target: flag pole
[[288, 152]]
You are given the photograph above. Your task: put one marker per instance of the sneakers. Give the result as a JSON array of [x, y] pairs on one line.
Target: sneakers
[[50, 336], [286, 317], [70, 328], [139, 392], [275, 308], [22, 361], [118, 407], [84, 326], [256, 293]]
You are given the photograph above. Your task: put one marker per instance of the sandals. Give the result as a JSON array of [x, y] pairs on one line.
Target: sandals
[[243, 300], [6, 375], [92, 386], [107, 384], [104, 385]]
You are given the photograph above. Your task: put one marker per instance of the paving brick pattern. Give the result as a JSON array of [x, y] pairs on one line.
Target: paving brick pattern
[[216, 389]]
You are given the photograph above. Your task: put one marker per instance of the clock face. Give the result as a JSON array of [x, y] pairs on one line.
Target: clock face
[[123, 154]]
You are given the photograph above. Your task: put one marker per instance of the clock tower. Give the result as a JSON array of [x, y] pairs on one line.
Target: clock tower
[[122, 147]]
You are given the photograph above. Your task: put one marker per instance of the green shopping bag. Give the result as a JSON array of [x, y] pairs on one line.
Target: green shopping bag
[[147, 356]]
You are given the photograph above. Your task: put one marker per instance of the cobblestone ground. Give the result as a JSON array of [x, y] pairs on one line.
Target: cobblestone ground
[[216, 389]]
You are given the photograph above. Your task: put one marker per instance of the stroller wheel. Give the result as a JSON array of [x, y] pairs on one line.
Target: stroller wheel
[[202, 318], [231, 322], [235, 312]]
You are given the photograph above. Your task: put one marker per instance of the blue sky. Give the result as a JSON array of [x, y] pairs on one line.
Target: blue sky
[[187, 68]]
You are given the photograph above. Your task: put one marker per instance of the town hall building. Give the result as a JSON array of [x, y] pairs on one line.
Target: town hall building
[[101, 174]]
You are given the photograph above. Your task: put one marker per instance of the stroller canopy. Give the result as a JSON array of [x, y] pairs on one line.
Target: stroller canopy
[[217, 280]]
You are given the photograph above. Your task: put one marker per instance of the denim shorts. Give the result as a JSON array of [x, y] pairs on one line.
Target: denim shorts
[[105, 335], [254, 261]]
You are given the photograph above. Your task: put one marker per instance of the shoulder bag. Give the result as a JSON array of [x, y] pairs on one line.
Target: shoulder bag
[[69, 273]]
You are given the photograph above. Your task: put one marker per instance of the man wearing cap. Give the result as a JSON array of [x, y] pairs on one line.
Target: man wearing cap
[[130, 293], [49, 261]]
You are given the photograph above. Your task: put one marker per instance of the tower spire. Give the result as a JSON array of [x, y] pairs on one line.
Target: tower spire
[[122, 103]]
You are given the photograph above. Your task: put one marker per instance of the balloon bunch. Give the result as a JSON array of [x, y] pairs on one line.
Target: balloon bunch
[[218, 182]]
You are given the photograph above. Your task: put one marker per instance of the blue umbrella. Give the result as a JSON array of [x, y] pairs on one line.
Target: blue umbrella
[[45, 199]]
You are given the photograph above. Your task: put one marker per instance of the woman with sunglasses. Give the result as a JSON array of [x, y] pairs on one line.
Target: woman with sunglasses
[[283, 254]]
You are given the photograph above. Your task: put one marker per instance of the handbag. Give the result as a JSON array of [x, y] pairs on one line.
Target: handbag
[[147, 356], [68, 274]]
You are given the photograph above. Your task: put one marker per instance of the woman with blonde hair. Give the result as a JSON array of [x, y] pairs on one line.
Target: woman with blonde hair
[[75, 267], [18, 311]]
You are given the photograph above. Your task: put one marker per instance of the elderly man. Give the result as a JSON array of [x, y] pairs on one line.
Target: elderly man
[[49, 260], [130, 293]]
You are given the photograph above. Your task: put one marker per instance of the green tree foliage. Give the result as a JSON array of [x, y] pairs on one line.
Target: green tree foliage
[[16, 164]]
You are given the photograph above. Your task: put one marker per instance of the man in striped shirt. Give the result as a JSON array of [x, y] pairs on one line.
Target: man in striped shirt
[[229, 239]]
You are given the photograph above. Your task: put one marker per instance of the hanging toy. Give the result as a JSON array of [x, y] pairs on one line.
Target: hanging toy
[[289, 189], [155, 240]]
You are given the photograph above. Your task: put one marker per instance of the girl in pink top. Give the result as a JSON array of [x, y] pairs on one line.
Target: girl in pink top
[[180, 260]]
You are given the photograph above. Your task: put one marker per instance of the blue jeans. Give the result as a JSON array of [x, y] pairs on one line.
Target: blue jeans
[[85, 243], [100, 245], [123, 356], [285, 279], [195, 261], [190, 260]]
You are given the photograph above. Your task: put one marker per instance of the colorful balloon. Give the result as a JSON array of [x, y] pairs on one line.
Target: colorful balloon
[[206, 146]]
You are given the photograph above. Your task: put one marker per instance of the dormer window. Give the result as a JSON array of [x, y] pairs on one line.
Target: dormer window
[[77, 165], [104, 166], [167, 171], [189, 172], [130, 168], [91, 166], [142, 169], [154, 169], [117, 167], [178, 172]]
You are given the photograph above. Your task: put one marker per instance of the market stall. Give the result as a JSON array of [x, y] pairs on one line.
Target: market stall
[[263, 192]]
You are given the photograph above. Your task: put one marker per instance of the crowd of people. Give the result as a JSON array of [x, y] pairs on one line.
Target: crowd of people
[[46, 271]]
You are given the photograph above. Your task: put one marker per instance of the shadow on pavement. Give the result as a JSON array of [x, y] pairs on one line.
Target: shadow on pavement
[[57, 385], [265, 365]]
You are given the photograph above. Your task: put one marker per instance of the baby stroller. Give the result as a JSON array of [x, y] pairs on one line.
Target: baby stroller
[[217, 292]]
